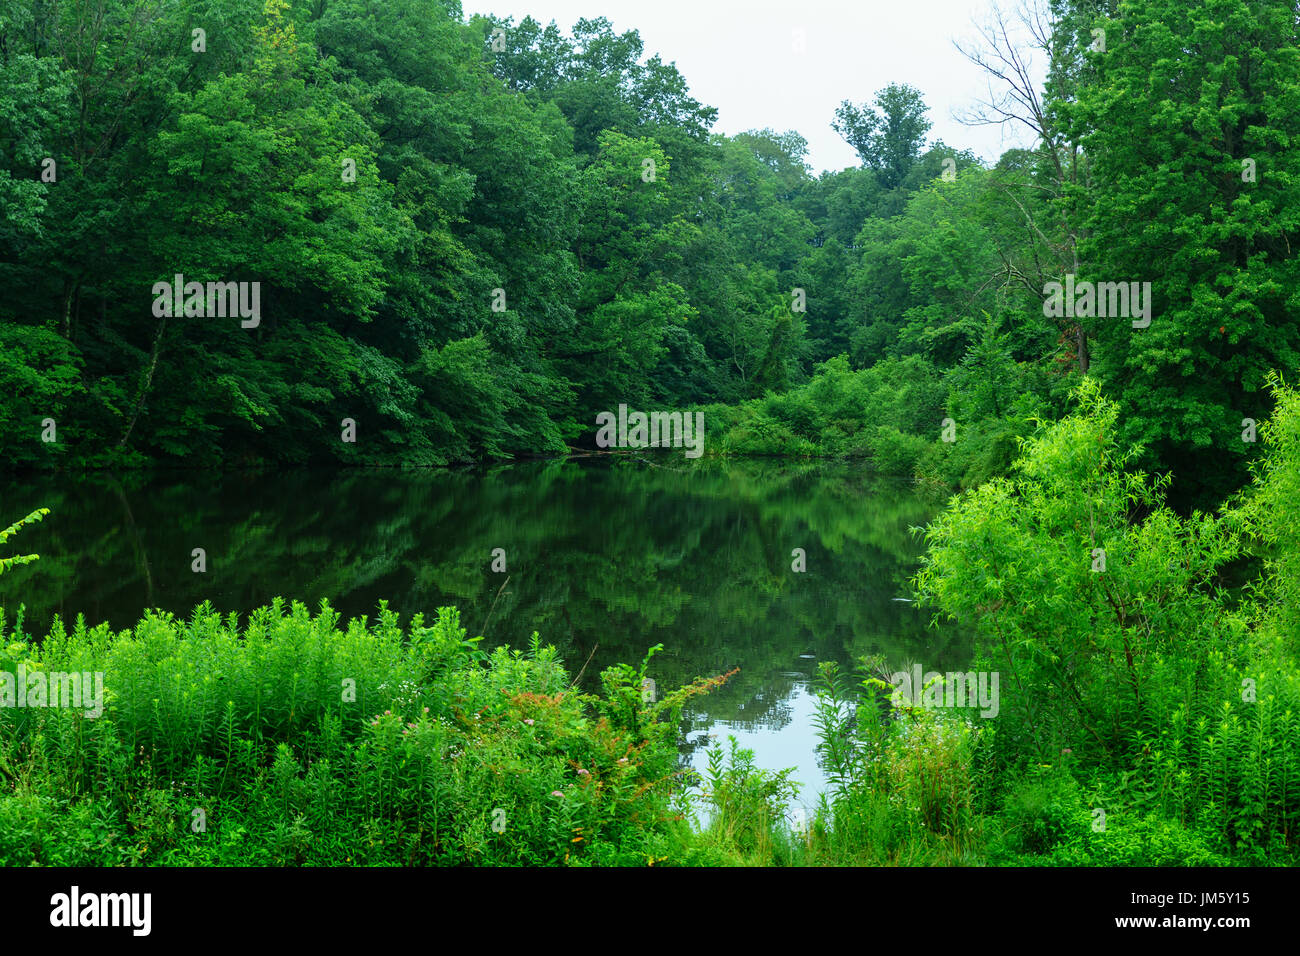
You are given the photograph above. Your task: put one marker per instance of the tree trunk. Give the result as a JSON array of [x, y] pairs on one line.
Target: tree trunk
[[145, 385]]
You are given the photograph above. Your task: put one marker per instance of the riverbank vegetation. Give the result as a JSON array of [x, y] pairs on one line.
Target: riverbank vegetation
[[1148, 715], [289, 739], [456, 240]]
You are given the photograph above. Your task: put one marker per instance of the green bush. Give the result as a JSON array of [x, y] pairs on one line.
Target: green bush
[[905, 782], [1101, 624], [1147, 840], [892, 414], [1042, 812], [1105, 614], [293, 739], [748, 804]]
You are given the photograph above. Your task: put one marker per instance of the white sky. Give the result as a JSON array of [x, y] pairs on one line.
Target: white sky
[[738, 56]]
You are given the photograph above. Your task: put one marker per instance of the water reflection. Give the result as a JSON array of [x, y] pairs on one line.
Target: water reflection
[[604, 557]]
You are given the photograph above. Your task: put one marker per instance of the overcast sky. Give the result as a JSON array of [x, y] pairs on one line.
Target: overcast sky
[[739, 56]]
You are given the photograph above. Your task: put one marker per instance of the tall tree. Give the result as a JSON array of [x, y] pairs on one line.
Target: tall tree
[[1190, 121], [888, 138]]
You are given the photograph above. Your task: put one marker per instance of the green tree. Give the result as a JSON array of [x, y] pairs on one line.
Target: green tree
[[1099, 624], [889, 137], [1188, 117]]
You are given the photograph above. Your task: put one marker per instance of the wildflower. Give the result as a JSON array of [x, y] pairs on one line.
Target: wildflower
[[529, 721], [581, 772], [556, 793], [622, 760], [1067, 750]]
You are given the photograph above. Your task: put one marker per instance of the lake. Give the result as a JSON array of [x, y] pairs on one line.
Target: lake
[[604, 556]]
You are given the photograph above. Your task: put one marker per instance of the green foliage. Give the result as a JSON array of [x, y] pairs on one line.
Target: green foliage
[[1147, 841], [1042, 812], [893, 414], [905, 779], [1135, 662], [1266, 512], [39, 379], [15, 560], [1215, 237], [467, 251], [303, 742], [1099, 601], [748, 804], [464, 250], [889, 138], [839, 413]]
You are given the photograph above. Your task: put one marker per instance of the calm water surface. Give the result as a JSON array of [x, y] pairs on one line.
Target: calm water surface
[[605, 556]]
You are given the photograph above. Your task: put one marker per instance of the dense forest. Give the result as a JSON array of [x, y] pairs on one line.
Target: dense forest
[[240, 233], [471, 238]]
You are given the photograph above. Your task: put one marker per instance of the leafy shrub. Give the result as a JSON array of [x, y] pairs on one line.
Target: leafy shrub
[[1093, 656], [1105, 614], [1042, 812], [748, 803], [1147, 840], [901, 777], [40, 376], [1266, 512], [294, 740]]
